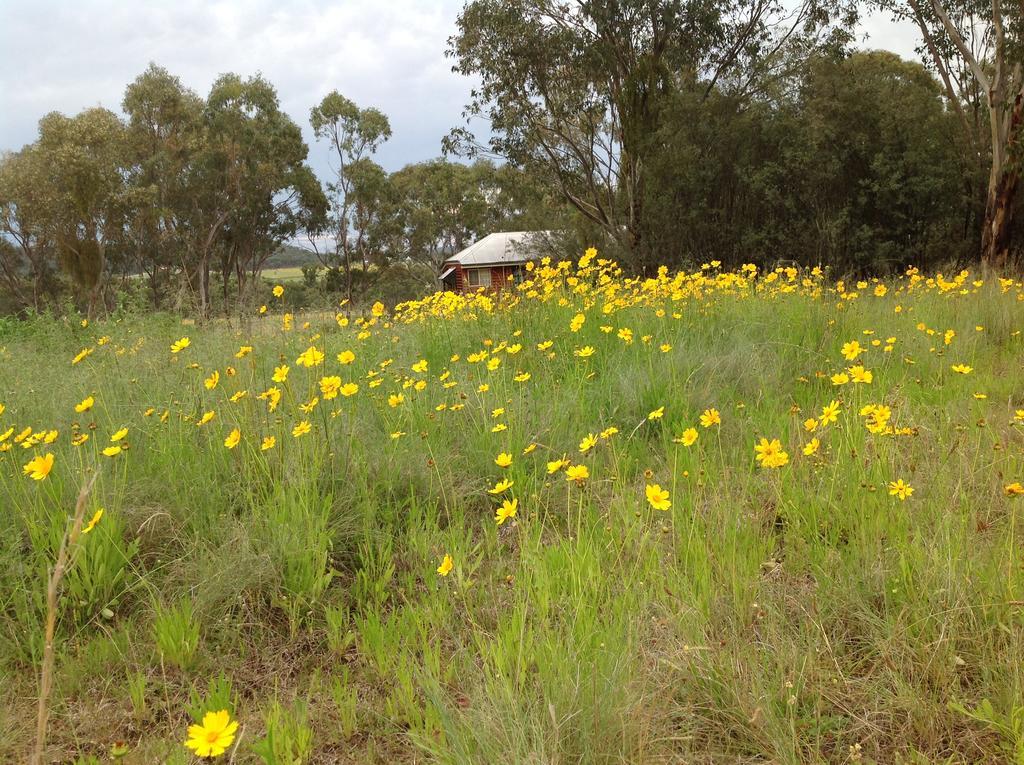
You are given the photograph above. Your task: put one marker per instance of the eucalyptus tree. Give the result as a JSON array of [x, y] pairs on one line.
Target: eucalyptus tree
[[975, 48], [83, 181], [165, 136], [244, 181], [28, 262], [354, 134], [574, 92]]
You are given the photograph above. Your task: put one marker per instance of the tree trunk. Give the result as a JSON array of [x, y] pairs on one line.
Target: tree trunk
[[1002, 193], [995, 235]]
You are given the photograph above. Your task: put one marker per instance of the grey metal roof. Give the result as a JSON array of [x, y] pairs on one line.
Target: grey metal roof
[[504, 247]]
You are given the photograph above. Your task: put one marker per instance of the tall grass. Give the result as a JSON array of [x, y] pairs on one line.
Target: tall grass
[[795, 614]]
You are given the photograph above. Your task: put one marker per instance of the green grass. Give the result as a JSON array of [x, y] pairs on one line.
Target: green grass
[[282, 275], [790, 615]]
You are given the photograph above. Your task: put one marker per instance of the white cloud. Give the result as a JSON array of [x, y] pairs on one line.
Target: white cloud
[[66, 56], [878, 30], [56, 55]]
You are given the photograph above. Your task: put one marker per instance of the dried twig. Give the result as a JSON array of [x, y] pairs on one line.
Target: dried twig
[[67, 544]]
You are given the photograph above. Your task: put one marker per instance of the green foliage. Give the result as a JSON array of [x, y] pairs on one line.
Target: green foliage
[[100, 570], [294, 533], [1009, 726], [855, 170], [176, 633], [764, 616], [219, 695], [137, 686], [289, 738], [340, 637]]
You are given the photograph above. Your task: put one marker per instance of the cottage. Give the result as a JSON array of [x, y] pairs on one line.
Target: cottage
[[492, 262]]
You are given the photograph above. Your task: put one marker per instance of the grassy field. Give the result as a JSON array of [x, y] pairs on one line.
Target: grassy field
[[553, 526], [282, 275]]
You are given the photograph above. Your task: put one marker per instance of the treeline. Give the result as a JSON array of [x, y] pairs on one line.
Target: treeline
[[749, 130], [182, 200], [666, 133]]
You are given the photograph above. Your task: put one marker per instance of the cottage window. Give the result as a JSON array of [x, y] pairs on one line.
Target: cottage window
[[479, 277]]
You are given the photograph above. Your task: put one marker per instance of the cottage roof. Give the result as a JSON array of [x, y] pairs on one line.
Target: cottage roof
[[495, 249]]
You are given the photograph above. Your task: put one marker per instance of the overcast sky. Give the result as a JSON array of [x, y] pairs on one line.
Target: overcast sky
[[67, 55]]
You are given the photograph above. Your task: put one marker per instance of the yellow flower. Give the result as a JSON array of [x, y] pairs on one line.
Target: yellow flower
[[770, 453], [273, 398], [710, 417], [588, 443], [689, 437], [852, 350], [310, 357], [577, 473], [420, 366], [840, 378], [446, 565], [503, 485], [233, 438], [278, 290], [111, 451], [522, 377], [38, 467], [268, 443], [207, 416], [329, 387], [1013, 489], [555, 465], [81, 355], [658, 497], [346, 357], [243, 351], [349, 389], [395, 399], [93, 521], [962, 369], [860, 375], [301, 429], [829, 413], [119, 435], [584, 352], [506, 511], [810, 424], [657, 414], [900, 489], [811, 447], [179, 345], [217, 732], [503, 460], [84, 406], [280, 373], [211, 381]]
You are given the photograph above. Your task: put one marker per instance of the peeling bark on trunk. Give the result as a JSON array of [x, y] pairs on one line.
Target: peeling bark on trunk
[[995, 236]]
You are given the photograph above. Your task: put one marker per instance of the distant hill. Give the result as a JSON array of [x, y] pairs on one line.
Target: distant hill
[[290, 256]]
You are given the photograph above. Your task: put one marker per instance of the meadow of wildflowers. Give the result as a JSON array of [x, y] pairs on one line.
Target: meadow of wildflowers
[[703, 517]]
